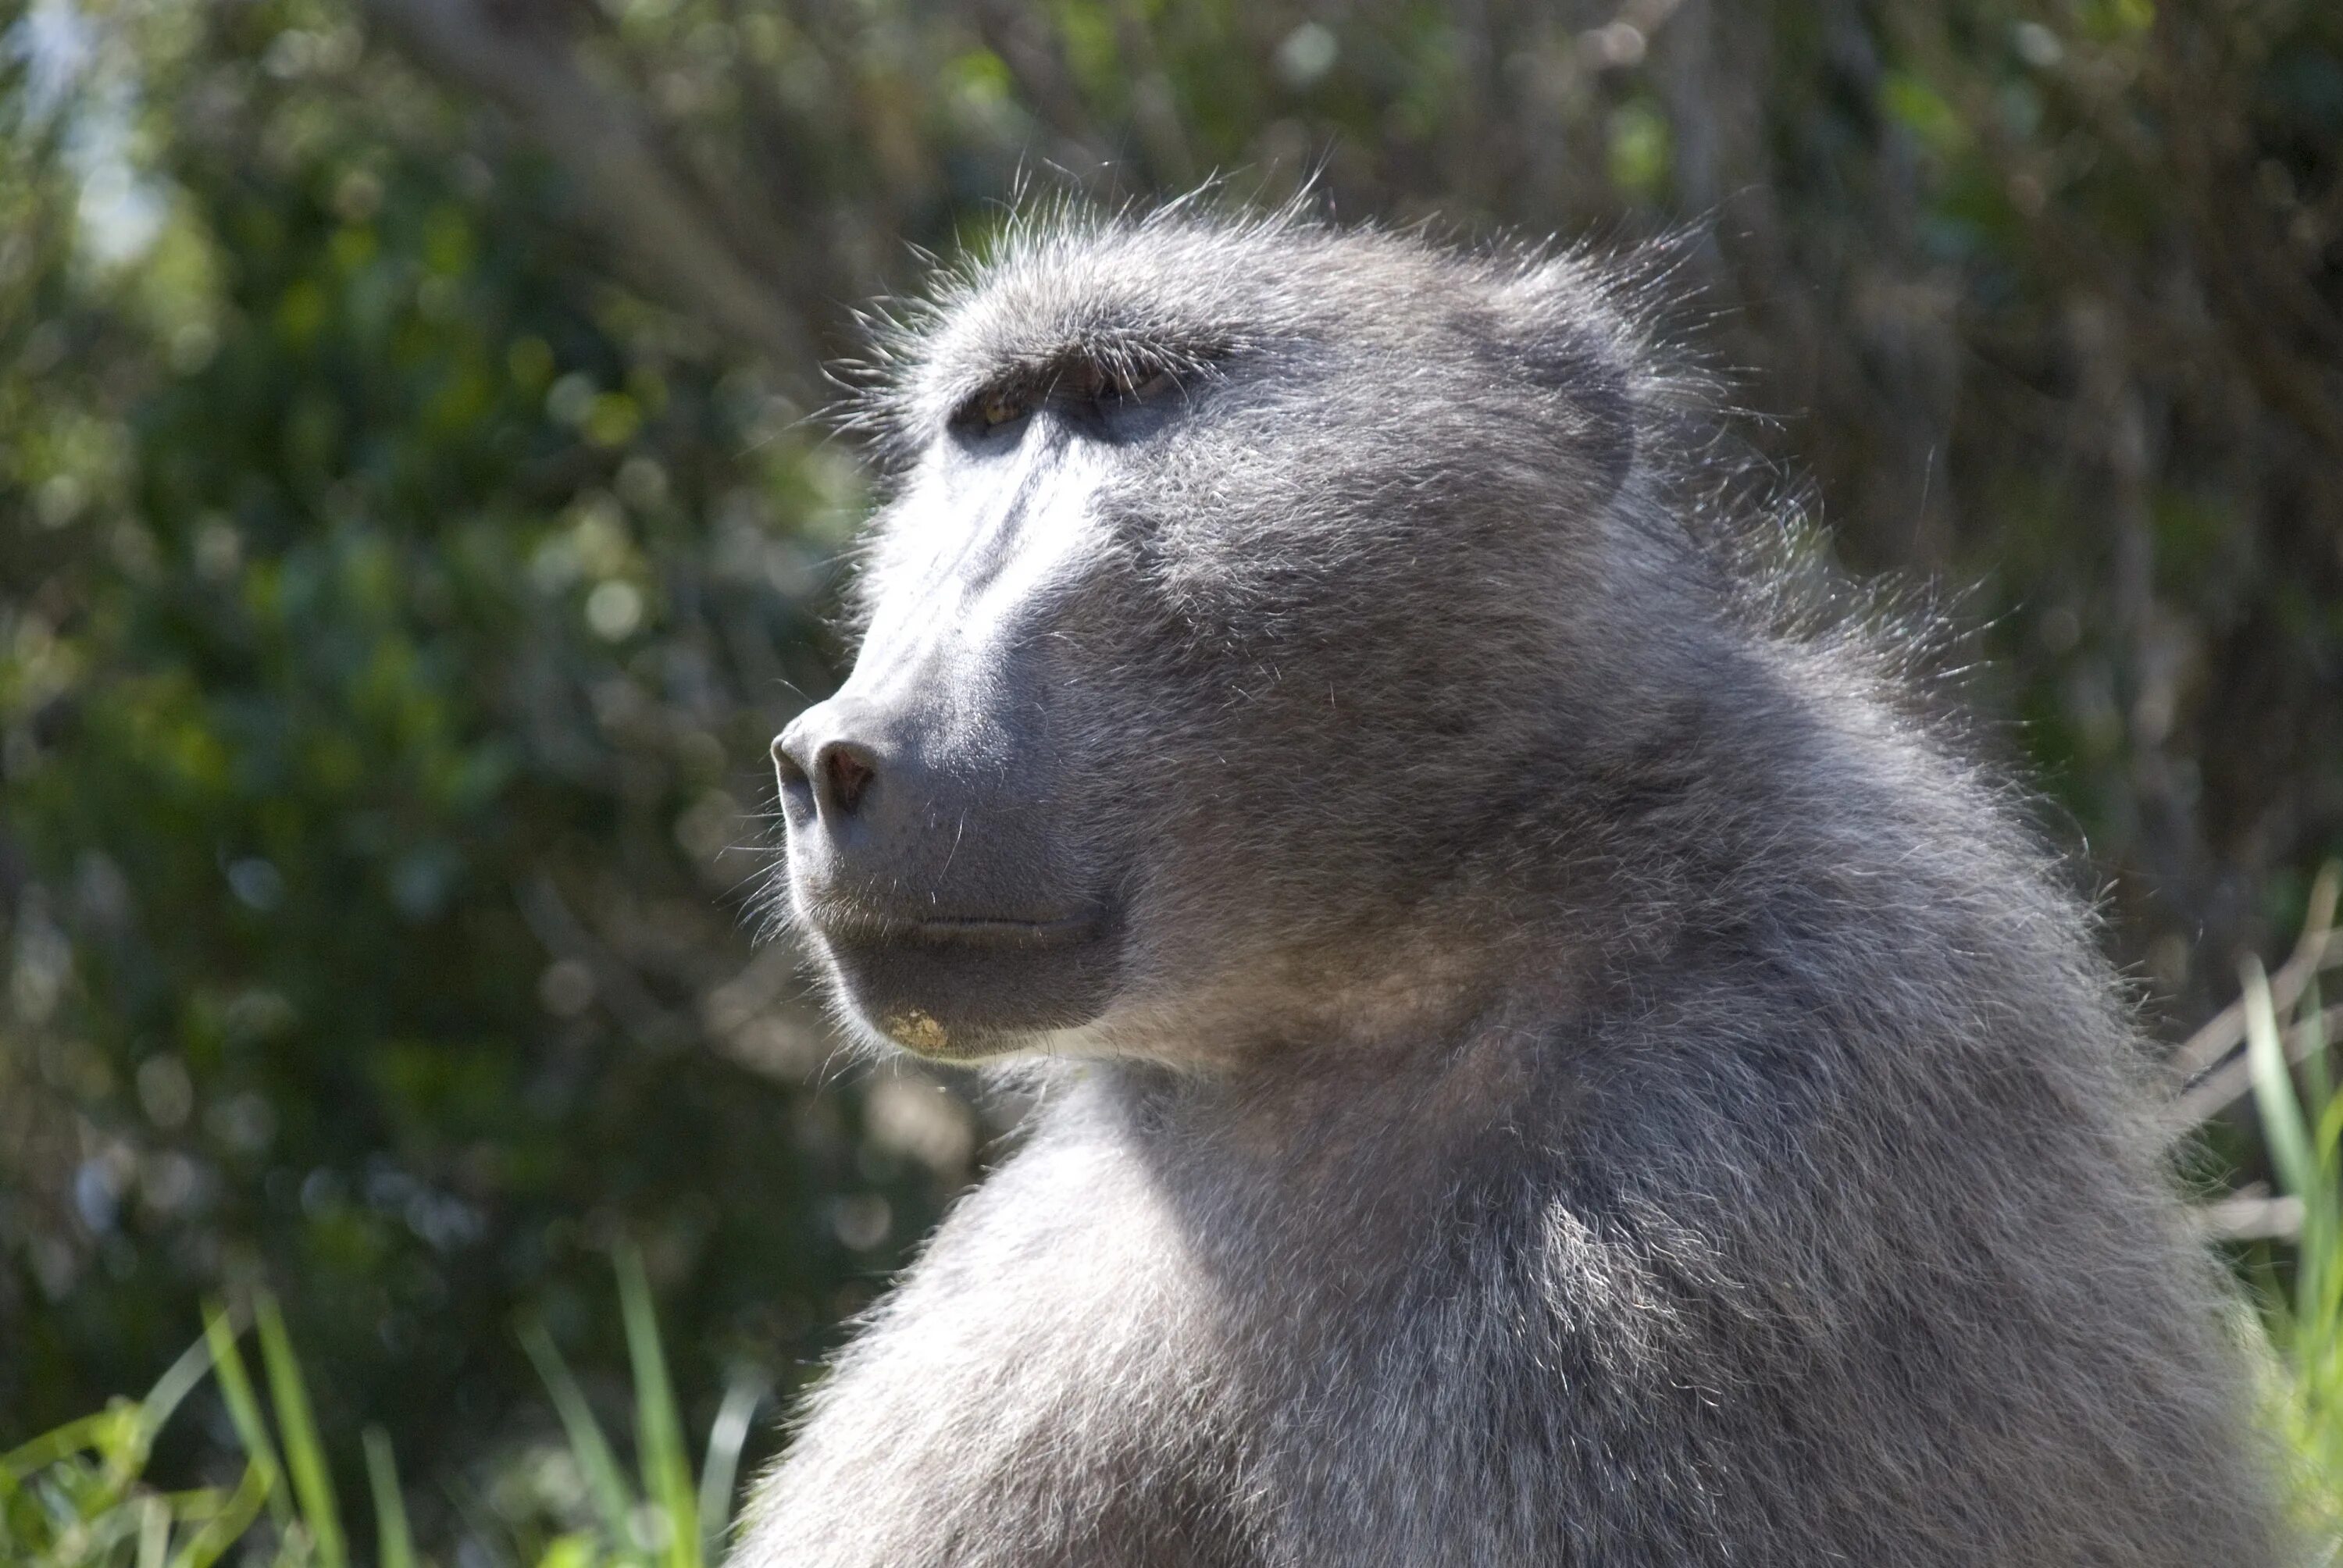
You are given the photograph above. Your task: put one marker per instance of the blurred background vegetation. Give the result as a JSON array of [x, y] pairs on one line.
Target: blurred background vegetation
[[412, 531]]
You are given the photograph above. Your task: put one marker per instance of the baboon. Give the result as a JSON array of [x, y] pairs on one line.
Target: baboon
[[1544, 1052]]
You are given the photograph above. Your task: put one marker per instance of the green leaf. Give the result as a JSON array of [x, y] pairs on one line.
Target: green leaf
[[572, 1551], [586, 1444], [154, 1533], [258, 1485], [244, 1412], [2281, 1112], [726, 1438], [2311, 1016], [659, 1429], [1641, 153], [311, 1478], [54, 1444], [1922, 110], [169, 1390], [397, 1542]]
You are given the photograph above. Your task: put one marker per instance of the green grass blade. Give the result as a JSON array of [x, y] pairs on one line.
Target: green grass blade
[[2283, 1129], [2286, 1135], [312, 1480], [395, 1547], [104, 1521], [194, 1364], [197, 1502], [2311, 1019], [573, 1550], [221, 1531], [244, 1412], [154, 1533], [599, 1466], [2321, 1258], [54, 1444], [659, 1429], [726, 1438]]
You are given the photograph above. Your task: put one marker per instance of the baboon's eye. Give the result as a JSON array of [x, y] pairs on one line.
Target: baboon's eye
[[1085, 392], [1105, 386], [1145, 388], [1112, 402], [996, 408], [1002, 406]]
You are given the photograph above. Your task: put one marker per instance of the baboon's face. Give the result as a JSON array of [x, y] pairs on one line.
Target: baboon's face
[[1211, 631]]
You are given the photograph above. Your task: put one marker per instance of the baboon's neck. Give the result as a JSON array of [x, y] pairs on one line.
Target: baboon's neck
[[1363, 1146]]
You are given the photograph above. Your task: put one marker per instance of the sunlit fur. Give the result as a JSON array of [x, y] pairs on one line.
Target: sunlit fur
[[1600, 1077]]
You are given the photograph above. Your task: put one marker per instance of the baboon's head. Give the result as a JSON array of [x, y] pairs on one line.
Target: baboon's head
[[1245, 595]]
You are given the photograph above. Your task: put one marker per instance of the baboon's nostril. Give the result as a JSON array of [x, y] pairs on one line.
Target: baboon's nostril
[[844, 771], [825, 778], [786, 766]]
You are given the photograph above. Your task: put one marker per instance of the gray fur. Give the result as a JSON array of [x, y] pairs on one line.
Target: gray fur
[[1595, 1076]]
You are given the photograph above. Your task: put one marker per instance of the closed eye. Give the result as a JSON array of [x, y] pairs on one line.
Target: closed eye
[[1107, 387], [1087, 393], [1114, 402]]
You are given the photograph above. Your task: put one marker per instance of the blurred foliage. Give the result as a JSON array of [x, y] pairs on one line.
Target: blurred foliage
[[395, 615], [2305, 1128], [410, 533], [80, 1496]]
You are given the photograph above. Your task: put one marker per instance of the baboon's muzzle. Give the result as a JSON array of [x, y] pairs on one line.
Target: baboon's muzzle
[[930, 872]]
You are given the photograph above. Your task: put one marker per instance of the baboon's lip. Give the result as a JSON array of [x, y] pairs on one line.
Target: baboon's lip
[[990, 931], [855, 924]]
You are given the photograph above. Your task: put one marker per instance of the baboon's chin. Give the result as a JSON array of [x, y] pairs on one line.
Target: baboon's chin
[[964, 990]]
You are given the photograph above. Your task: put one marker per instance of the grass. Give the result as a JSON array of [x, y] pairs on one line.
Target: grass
[[79, 1496], [2302, 1128]]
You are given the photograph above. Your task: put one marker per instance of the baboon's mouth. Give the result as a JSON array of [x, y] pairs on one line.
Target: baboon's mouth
[[992, 931], [858, 923], [962, 987]]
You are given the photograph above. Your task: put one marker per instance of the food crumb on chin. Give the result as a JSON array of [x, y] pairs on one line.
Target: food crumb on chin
[[916, 1030]]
